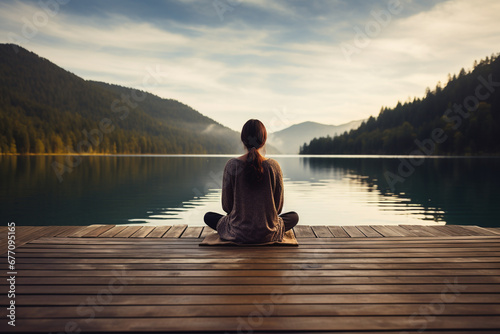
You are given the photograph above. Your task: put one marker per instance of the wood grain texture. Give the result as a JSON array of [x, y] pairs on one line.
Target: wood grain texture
[[369, 232], [302, 231], [112, 231], [338, 232], [98, 231], [158, 231], [175, 231], [366, 279], [322, 232], [127, 232], [143, 232], [354, 232], [192, 232]]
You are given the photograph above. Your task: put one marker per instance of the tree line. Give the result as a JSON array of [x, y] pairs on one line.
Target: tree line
[[45, 109], [464, 114]]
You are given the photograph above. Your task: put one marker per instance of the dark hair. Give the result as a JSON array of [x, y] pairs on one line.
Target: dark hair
[[254, 136]]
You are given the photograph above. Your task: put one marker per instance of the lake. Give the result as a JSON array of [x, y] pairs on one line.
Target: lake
[[325, 190]]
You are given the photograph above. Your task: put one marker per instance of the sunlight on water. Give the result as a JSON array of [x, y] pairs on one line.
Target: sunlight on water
[[166, 190], [318, 202]]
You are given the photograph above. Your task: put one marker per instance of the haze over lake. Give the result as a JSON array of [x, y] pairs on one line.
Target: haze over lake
[[325, 190]]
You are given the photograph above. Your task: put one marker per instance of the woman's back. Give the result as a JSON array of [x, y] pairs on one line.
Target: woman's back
[[252, 207], [252, 194]]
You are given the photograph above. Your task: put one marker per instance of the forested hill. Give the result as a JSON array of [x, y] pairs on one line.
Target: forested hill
[[463, 118], [46, 109]]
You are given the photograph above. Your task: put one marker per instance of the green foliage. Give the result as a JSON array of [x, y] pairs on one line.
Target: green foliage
[[396, 130], [45, 109]]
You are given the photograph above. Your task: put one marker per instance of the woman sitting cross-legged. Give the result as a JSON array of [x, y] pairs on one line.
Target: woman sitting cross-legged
[[252, 194]]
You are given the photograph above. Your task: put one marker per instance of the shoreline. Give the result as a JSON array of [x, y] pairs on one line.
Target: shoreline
[[382, 156]]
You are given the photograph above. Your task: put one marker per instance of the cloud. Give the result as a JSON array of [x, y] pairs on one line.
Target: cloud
[[265, 57]]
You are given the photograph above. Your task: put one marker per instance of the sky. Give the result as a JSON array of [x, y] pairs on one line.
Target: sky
[[281, 61]]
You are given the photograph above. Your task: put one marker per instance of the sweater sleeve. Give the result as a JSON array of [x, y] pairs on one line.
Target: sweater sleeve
[[279, 189], [227, 188]]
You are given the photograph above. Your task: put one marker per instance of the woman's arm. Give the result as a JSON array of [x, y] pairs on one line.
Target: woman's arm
[[279, 189], [227, 189]]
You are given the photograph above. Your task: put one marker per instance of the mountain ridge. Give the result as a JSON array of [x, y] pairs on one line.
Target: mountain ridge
[[290, 140], [46, 109]]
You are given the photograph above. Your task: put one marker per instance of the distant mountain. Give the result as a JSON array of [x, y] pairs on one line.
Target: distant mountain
[[289, 140], [46, 109], [462, 118]]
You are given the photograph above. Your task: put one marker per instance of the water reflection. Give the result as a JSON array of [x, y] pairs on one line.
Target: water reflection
[[101, 190], [462, 191], [178, 189]]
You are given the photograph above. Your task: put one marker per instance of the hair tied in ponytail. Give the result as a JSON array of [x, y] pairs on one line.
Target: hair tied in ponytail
[[254, 136]]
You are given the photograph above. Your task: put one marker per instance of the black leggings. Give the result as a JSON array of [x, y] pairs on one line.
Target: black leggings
[[290, 219]]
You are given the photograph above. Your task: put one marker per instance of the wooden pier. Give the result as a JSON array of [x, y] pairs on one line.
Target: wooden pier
[[341, 279]]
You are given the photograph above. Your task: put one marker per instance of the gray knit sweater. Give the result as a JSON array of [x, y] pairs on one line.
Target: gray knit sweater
[[252, 209]]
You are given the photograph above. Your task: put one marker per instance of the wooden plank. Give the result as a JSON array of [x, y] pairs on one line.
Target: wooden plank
[[56, 230], [410, 249], [460, 231], [325, 247], [476, 230], [175, 231], [398, 229], [342, 247], [256, 266], [207, 231], [3, 232], [143, 232], [369, 232], [168, 311], [31, 232], [338, 232], [184, 244], [277, 273], [447, 230], [439, 231], [275, 250], [322, 232], [95, 233], [112, 231], [158, 232], [302, 231], [127, 232], [327, 284], [84, 230], [386, 232], [192, 232], [252, 289], [353, 232], [330, 298], [70, 230], [271, 323], [21, 235], [25, 231], [317, 255], [494, 230], [418, 230], [332, 241], [400, 246], [25, 234], [242, 280], [35, 233], [448, 260]]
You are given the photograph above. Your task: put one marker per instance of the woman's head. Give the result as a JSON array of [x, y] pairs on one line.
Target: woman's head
[[253, 136]]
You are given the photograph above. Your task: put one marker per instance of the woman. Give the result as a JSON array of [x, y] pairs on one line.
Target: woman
[[252, 194]]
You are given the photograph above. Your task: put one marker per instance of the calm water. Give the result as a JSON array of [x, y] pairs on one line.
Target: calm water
[[165, 190]]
